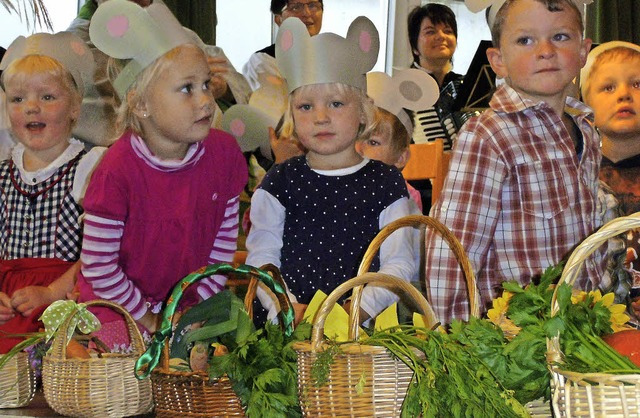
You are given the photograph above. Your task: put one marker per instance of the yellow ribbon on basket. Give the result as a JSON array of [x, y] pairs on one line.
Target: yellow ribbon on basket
[[58, 312]]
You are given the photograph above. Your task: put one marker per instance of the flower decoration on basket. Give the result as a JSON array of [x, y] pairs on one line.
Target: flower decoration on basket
[[523, 317]]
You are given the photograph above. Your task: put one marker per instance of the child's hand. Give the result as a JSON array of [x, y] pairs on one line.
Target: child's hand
[[298, 309], [283, 148], [28, 298], [218, 67], [6, 311], [150, 321]]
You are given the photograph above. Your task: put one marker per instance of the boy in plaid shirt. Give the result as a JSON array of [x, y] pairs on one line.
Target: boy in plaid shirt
[[523, 185]]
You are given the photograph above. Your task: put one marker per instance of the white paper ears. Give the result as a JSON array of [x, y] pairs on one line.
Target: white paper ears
[[249, 123], [326, 57], [65, 47], [411, 89], [124, 30]]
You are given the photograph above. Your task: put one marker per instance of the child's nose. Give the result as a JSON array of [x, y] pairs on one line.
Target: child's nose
[[545, 49], [624, 92], [32, 106], [322, 115]]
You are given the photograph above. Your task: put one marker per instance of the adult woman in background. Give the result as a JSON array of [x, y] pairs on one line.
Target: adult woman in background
[[433, 36]]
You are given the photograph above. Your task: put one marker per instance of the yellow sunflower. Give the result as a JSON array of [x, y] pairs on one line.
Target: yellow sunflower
[[619, 318], [498, 315]]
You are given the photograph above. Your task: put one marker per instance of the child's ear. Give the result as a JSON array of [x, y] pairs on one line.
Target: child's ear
[[495, 59], [278, 19], [403, 159], [138, 107], [584, 50]]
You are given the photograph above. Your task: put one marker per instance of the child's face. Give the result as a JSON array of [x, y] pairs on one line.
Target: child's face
[[541, 52], [614, 95], [379, 146], [42, 110], [327, 120], [178, 106]]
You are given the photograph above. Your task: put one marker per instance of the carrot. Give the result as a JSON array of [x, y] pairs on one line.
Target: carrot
[[77, 350]]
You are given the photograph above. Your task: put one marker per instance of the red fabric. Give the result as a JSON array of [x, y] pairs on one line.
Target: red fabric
[[23, 272]]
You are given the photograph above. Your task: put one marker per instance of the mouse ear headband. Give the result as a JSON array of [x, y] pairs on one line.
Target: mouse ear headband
[[65, 47], [250, 123], [411, 89], [494, 6], [124, 30], [326, 57], [585, 72]]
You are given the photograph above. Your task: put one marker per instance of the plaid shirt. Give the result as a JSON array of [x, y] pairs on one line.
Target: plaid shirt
[[517, 196]]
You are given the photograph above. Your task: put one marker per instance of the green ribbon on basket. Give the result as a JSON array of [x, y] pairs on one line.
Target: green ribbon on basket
[[58, 312], [150, 359]]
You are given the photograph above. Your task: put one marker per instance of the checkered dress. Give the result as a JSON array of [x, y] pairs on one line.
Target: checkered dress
[[41, 220]]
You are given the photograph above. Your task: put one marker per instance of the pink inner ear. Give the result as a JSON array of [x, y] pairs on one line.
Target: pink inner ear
[[77, 48], [286, 41], [365, 41], [237, 128], [118, 26]]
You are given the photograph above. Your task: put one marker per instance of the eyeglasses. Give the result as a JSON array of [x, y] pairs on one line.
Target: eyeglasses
[[297, 8]]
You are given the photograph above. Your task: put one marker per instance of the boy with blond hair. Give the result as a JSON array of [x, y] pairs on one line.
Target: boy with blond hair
[[523, 184], [610, 85]]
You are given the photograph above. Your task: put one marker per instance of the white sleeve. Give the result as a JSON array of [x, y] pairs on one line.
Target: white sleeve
[[264, 243], [83, 173], [399, 257], [259, 66]]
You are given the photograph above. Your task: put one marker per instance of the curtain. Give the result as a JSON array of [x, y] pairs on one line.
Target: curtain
[[197, 15], [611, 20]]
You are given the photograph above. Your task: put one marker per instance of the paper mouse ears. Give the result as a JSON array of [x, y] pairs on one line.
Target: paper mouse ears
[[411, 89], [326, 57], [249, 123], [65, 47], [494, 6], [124, 30]]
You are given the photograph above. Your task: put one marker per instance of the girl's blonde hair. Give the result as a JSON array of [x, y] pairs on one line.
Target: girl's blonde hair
[[619, 53], [137, 93], [389, 123], [30, 65], [367, 109]]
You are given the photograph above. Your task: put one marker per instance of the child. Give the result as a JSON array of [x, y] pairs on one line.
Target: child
[[391, 134], [164, 200], [314, 215], [43, 182], [610, 84], [522, 186]]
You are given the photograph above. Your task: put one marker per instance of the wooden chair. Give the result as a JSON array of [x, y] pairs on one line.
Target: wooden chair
[[428, 161]]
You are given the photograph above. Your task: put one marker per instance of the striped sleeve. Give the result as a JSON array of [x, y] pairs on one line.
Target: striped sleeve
[[101, 268], [224, 248]]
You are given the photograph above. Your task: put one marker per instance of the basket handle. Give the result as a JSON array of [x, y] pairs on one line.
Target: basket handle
[[386, 280], [417, 221], [574, 265], [150, 359], [283, 299], [59, 344]]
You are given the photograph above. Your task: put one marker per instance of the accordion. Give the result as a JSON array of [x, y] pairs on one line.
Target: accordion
[[441, 121]]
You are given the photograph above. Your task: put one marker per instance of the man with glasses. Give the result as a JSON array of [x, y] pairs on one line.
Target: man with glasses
[[262, 64]]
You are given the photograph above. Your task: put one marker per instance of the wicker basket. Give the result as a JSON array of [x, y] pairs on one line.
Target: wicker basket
[[591, 394], [386, 377], [100, 387], [17, 382], [195, 394], [538, 408]]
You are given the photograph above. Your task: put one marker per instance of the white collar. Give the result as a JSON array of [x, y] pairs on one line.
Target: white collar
[[38, 176], [194, 153]]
